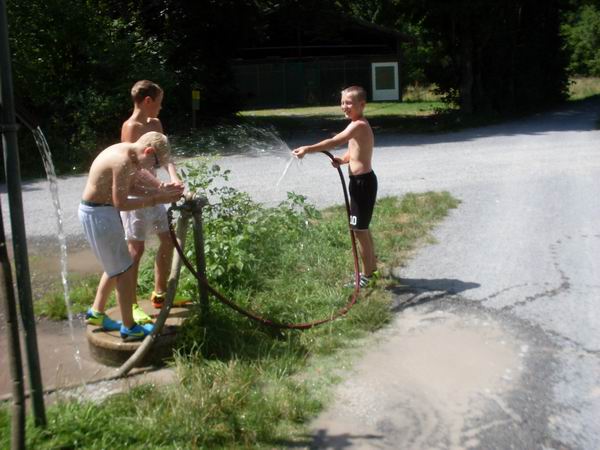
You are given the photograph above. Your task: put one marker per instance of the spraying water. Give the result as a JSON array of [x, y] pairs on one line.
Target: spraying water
[[245, 139], [42, 144]]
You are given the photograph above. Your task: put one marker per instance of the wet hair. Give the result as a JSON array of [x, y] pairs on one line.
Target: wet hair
[[357, 92], [158, 142], [143, 89]]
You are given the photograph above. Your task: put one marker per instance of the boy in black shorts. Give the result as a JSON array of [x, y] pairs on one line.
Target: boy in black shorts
[[363, 182]]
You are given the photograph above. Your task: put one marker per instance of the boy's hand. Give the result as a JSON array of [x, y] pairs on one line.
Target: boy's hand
[[169, 192], [300, 152], [337, 162]]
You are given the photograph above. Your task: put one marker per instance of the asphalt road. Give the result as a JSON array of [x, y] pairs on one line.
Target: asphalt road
[[496, 340]]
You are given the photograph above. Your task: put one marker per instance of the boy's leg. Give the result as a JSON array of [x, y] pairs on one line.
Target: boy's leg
[[125, 285], [136, 250], [162, 264], [367, 251], [105, 287]]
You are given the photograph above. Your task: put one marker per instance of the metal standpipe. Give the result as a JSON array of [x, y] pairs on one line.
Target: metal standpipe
[[15, 200]]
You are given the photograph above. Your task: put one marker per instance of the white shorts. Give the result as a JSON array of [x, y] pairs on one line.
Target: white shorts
[[104, 231], [140, 223]]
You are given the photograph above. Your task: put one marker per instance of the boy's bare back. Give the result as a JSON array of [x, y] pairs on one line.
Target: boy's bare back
[[133, 129]]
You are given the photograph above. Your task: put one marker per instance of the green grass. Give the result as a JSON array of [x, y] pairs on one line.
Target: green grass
[[81, 295], [243, 386], [385, 117], [582, 88]]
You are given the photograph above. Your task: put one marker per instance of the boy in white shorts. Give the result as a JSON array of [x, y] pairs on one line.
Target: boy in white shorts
[[119, 179]]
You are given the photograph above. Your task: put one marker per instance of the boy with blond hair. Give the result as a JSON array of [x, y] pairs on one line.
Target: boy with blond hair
[[363, 182], [120, 180], [147, 98]]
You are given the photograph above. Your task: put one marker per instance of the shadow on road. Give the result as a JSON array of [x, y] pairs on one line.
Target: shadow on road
[[573, 116], [323, 440], [418, 291]]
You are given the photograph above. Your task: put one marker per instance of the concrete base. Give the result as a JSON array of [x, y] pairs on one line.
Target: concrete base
[[108, 348]]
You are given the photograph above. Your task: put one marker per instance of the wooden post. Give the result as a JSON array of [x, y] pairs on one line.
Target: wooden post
[[198, 204]]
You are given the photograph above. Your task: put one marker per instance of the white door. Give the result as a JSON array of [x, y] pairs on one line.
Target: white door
[[384, 76]]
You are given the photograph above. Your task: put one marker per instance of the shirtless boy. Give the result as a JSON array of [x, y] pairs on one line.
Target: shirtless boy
[[147, 100], [119, 180], [363, 182]]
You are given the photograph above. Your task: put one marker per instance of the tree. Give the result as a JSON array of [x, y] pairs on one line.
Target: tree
[[65, 62], [581, 30]]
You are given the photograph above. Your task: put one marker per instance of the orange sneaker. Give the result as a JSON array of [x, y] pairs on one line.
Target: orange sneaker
[[158, 298]]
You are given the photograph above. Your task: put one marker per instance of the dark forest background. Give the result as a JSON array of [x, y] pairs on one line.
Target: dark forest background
[[74, 62]]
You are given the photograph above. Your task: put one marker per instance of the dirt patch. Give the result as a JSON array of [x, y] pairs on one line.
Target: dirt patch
[[426, 385]]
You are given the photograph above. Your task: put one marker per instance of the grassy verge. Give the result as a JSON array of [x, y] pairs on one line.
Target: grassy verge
[[241, 386], [582, 88], [419, 116]]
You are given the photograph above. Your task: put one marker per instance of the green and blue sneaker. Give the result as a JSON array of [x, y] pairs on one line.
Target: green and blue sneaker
[[98, 319], [137, 331], [139, 315]]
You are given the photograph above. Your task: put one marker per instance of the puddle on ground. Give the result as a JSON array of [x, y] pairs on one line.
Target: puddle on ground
[[426, 385], [56, 349], [57, 357]]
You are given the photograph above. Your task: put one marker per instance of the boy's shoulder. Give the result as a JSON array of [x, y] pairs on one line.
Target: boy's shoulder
[[132, 124], [133, 129], [360, 124], [151, 124]]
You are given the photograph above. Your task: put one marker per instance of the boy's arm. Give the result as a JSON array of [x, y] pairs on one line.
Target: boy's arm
[[145, 183], [327, 144], [120, 192], [173, 173]]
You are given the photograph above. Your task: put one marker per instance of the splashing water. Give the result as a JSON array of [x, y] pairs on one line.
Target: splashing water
[[231, 139], [44, 148], [245, 139]]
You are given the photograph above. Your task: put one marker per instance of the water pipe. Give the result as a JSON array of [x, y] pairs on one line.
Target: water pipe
[[25, 117], [8, 128]]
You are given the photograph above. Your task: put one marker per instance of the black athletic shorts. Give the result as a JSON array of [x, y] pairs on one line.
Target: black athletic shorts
[[363, 192]]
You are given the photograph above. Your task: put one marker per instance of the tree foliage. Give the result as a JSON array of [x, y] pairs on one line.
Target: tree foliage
[[581, 29], [73, 68]]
